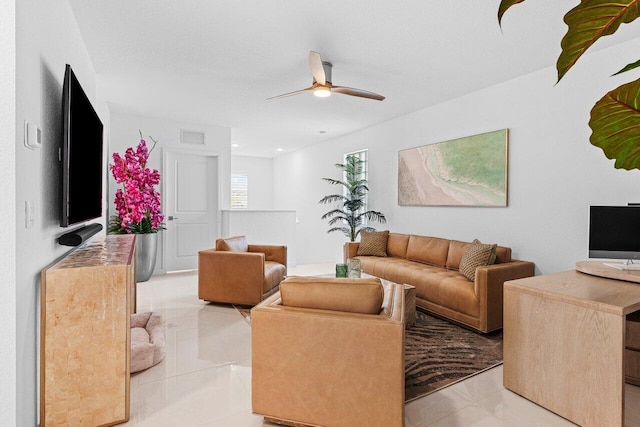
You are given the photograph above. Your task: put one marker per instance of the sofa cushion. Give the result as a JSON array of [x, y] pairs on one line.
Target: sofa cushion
[[232, 244], [477, 255], [457, 250], [373, 243], [397, 245], [274, 272], [338, 294], [503, 254], [397, 270], [429, 250], [376, 266], [448, 289]]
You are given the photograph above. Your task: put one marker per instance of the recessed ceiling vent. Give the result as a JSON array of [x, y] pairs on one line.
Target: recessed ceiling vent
[[191, 137]]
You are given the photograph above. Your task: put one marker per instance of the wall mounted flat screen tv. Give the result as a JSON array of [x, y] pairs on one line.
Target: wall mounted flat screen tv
[[614, 232], [82, 169]]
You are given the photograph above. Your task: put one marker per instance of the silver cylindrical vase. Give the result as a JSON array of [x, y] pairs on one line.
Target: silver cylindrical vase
[[146, 250]]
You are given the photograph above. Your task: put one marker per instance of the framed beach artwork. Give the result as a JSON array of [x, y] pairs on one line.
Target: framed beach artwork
[[470, 171]]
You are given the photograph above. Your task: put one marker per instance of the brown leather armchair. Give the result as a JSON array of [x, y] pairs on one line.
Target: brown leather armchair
[[238, 273], [329, 352]]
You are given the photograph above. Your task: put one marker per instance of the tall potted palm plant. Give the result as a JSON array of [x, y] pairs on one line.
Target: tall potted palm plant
[[350, 216]]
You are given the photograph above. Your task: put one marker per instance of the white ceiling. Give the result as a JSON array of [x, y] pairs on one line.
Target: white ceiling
[[216, 62]]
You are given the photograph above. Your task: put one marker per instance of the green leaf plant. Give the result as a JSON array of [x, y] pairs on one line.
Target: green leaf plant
[[615, 118], [350, 217]]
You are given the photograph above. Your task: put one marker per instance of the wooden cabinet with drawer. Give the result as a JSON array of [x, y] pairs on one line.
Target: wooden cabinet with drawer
[[632, 349]]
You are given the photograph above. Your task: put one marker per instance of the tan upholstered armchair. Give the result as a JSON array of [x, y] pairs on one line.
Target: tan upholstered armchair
[[329, 352], [238, 273]]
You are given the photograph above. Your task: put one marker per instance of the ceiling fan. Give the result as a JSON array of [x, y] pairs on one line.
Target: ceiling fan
[[322, 86]]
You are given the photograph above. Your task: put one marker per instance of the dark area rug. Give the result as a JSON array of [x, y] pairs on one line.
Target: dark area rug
[[245, 310], [438, 353]]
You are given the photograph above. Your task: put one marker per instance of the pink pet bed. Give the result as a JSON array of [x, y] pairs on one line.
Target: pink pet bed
[[147, 340]]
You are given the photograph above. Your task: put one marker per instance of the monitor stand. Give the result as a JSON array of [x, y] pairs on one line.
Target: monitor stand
[[627, 265], [598, 268]]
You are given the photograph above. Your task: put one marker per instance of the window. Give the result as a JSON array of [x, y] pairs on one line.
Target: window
[[239, 191], [362, 156]]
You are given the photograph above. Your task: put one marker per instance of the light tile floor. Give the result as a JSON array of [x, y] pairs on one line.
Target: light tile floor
[[205, 379]]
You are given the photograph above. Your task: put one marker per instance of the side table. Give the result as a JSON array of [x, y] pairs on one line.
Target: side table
[[409, 302]]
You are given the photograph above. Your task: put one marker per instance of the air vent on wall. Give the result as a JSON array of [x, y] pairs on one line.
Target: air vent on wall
[[191, 137]]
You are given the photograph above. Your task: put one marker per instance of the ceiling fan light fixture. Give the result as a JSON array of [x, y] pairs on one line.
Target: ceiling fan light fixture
[[322, 91], [322, 86]]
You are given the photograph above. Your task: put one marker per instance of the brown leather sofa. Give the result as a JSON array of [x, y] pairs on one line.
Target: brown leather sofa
[[431, 265], [329, 352], [238, 273]]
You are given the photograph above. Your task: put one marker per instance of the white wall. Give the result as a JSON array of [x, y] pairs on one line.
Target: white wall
[[263, 227], [124, 134], [8, 211], [554, 173], [260, 179], [47, 38]]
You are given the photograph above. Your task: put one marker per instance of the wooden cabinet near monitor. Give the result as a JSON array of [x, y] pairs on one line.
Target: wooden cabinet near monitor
[[85, 336], [564, 344], [632, 349]]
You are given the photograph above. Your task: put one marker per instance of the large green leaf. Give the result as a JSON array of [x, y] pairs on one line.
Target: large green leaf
[[589, 21], [504, 5], [628, 67], [615, 125]]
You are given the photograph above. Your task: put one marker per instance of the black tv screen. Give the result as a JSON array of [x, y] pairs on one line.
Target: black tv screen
[[614, 232], [82, 169]]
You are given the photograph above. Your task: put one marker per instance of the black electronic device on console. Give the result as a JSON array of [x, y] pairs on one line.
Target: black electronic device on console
[[83, 170], [614, 232], [79, 235]]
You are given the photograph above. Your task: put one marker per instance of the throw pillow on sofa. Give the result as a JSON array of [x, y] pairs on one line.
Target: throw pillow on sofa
[[477, 255], [373, 243]]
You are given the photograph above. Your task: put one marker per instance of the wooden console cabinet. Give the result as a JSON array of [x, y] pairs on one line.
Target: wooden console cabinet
[[86, 306], [564, 344]]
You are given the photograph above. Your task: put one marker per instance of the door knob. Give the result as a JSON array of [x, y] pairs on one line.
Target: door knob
[[171, 218]]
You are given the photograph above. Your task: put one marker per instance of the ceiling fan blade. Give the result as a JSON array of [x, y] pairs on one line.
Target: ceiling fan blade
[[357, 92], [284, 95], [317, 70]]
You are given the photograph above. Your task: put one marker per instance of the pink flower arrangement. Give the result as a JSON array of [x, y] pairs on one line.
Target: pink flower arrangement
[[137, 202]]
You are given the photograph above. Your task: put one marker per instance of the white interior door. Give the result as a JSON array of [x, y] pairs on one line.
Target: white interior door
[[191, 206]]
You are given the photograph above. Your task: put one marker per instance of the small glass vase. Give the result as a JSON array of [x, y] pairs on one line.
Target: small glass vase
[[354, 268], [341, 270]]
